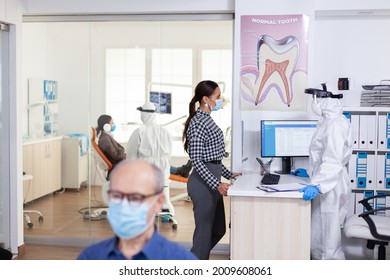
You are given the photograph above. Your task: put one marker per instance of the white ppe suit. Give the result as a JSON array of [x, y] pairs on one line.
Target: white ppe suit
[[330, 151], [153, 143]]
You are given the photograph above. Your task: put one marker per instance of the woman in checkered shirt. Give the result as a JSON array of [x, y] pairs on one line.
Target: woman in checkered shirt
[[204, 142]]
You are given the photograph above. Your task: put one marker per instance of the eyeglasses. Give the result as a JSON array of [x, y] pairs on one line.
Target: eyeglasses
[[133, 198]]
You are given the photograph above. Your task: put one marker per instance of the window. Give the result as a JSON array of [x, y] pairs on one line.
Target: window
[[125, 87], [172, 71]]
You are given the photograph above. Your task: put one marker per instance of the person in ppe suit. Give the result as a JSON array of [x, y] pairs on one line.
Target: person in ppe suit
[[330, 151], [153, 143]]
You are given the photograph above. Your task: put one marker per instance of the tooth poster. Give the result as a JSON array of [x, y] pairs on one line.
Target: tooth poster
[[273, 72]]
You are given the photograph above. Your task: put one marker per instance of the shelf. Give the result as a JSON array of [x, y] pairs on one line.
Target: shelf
[[366, 109]]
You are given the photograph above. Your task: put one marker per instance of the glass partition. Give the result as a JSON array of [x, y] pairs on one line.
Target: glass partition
[[111, 68]]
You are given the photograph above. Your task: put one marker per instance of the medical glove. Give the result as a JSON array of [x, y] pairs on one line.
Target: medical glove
[[309, 192], [300, 172]]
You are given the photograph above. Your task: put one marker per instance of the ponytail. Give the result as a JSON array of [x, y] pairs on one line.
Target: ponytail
[[102, 120], [187, 123], [204, 88]]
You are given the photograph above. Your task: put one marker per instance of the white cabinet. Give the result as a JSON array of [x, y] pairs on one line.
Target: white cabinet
[[42, 160], [74, 163], [369, 167]]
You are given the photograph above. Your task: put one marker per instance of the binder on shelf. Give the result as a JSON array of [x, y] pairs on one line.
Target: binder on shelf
[[351, 204], [371, 132], [387, 171], [380, 171], [388, 130], [347, 115], [355, 130], [352, 171], [361, 195], [380, 202], [370, 171], [363, 126], [388, 205], [370, 202], [361, 170], [382, 132]]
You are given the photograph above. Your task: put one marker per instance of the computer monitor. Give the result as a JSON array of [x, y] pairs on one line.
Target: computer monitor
[[162, 101], [286, 139]]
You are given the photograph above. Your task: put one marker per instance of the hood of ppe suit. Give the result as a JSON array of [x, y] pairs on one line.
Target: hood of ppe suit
[[148, 118], [151, 142], [330, 107]]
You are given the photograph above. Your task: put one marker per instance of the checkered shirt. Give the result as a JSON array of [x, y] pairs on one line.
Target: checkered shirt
[[206, 143]]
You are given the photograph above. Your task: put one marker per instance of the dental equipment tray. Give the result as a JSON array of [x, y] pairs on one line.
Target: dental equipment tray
[[381, 86]]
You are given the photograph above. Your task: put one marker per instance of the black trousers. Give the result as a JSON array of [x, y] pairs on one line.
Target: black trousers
[[209, 213]]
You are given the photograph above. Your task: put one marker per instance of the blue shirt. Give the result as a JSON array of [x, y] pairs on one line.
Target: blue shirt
[[157, 248]]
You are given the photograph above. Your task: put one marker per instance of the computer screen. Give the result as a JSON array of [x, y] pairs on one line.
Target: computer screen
[[286, 139], [162, 101]]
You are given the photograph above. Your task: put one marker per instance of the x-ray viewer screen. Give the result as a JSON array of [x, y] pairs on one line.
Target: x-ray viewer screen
[[162, 101], [289, 138]]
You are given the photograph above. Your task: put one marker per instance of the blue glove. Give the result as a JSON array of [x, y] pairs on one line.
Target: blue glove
[[309, 192], [300, 172]]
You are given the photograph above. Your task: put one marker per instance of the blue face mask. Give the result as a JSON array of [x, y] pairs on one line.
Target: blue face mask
[[128, 220], [218, 105], [113, 127]]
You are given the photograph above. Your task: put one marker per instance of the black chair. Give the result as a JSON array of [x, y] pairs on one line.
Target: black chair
[[5, 254], [370, 226]]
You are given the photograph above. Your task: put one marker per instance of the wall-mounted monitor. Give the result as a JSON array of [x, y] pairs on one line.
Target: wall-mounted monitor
[[162, 101], [286, 139]]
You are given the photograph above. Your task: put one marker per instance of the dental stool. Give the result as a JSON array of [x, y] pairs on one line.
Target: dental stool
[[28, 178]]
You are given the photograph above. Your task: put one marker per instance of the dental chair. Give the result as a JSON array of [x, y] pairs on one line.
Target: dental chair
[[103, 166], [370, 226], [181, 196]]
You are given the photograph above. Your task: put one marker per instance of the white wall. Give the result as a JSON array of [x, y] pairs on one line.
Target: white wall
[[11, 13], [351, 47]]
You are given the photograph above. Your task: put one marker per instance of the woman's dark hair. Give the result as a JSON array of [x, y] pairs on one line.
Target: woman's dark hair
[[204, 88], [102, 120]]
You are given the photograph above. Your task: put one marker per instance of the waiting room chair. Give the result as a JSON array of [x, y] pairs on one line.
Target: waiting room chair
[[370, 226]]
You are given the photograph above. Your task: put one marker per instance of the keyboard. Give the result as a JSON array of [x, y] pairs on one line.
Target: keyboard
[[270, 179]]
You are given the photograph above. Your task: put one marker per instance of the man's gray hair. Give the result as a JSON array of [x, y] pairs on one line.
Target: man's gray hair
[[157, 172], [159, 178]]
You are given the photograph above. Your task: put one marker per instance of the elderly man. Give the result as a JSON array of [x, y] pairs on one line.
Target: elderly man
[[135, 197]]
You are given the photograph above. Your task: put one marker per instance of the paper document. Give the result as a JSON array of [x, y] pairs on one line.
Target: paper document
[[291, 187]]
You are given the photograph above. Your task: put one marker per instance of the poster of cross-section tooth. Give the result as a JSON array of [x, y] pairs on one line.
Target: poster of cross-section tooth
[[274, 51]]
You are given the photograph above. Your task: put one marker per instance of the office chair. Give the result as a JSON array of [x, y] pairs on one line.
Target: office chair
[[28, 177], [370, 226]]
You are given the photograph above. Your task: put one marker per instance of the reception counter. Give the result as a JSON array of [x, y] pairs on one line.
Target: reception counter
[[268, 226]]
